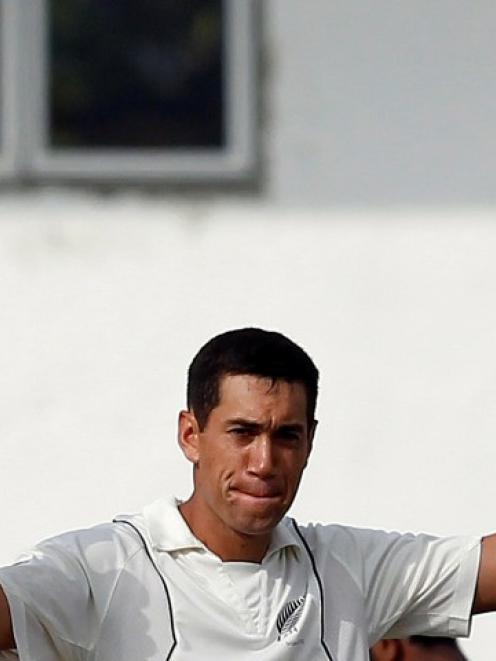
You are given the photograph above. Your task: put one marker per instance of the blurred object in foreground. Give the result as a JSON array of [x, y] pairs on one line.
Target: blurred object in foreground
[[417, 648]]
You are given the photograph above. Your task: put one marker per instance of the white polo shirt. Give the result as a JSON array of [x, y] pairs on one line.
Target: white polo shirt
[[144, 588]]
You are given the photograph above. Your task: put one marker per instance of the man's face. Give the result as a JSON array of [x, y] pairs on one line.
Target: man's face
[[251, 454]]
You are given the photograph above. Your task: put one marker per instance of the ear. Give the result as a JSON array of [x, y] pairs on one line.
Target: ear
[[188, 432], [388, 650]]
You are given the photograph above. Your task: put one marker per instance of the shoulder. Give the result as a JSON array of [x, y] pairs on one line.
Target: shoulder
[[342, 539], [356, 549], [348, 542], [338, 539], [98, 548]]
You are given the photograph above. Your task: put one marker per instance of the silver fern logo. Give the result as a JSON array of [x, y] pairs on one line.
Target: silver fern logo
[[288, 617]]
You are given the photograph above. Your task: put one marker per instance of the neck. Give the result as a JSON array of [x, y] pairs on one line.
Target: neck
[[229, 545]]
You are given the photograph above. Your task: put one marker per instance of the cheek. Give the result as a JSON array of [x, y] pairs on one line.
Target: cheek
[[221, 465], [295, 473]]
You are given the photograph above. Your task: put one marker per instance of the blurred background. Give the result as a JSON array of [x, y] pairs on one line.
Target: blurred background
[[172, 170]]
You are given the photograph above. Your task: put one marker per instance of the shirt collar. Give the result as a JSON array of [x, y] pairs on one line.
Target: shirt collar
[[167, 528], [169, 531]]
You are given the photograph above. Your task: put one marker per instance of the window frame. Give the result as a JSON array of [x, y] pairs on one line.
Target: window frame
[[9, 77], [37, 161]]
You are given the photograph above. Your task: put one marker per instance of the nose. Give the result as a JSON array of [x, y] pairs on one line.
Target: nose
[[261, 457]]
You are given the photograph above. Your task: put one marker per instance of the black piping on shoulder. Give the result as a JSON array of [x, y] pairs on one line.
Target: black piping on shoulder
[[319, 583], [166, 589]]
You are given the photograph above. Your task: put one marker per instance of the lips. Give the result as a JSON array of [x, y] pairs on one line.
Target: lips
[[262, 493]]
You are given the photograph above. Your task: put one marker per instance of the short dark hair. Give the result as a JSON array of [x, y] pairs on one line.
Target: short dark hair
[[428, 642], [248, 351], [433, 641]]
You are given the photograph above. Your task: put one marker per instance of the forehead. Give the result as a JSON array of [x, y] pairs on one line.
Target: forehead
[[245, 394]]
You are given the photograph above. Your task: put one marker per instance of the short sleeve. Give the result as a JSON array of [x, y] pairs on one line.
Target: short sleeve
[[59, 593], [418, 584], [49, 599]]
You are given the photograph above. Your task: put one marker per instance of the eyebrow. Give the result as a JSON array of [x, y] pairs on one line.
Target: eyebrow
[[250, 424], [242, 422], [292, 427]]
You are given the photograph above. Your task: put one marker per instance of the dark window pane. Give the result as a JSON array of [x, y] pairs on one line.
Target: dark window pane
[[142, 74]]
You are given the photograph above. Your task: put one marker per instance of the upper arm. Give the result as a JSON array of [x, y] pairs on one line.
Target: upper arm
[[485, 594], [6, 633], [419, 584]]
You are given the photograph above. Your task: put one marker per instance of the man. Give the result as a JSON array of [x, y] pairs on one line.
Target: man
[[417, 648], [225, 574]]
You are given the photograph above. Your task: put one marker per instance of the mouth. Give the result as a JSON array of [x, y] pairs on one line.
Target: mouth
[[257, 497]]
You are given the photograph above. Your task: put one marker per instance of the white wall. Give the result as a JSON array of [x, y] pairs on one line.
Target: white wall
[[103, 305], [381, 107]]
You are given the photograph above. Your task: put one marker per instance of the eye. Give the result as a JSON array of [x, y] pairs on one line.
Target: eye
[[240, 432], [289, 436]]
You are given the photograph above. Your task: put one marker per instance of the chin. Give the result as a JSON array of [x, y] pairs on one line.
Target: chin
[[256, 531], [255, 516], [258, 525]]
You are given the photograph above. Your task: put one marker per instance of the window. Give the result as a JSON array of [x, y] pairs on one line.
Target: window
[[127, 90]]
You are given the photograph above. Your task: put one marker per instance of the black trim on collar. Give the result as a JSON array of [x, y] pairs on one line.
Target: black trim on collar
[[319, 583], [166, 589]]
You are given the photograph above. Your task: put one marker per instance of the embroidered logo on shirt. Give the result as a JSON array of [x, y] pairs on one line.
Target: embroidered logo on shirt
[[288, 617]]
